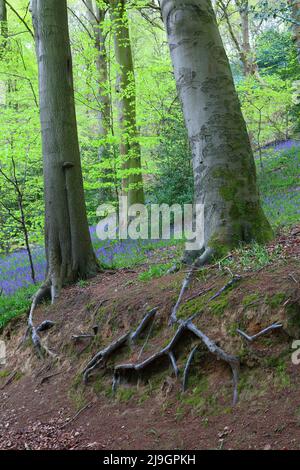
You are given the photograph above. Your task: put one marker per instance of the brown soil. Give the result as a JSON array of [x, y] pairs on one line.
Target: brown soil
[[44, 404]]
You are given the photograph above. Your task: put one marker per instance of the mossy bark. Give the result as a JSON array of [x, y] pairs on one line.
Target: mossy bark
[[223, 163]]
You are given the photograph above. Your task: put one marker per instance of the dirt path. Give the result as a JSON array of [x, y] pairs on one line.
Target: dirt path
[[46, 406]]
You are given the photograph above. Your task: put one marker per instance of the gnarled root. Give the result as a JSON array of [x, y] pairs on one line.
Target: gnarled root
[[40, 348], [102, 356], [168, 351], [274, 326], [187, 368], [233, 361], [143, 325], [201, 261]]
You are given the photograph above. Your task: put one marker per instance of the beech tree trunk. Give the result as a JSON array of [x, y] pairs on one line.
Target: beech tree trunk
[[223, 163], [132, 183], [68, 244]]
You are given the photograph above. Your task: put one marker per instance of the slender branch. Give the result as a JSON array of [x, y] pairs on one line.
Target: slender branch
[[81, 22], [20, 18]]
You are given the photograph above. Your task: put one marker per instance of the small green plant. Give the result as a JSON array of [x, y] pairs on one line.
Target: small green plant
[[282, 378], [250, 299], [232, 329], [276, 300], [155, 271], [218, 307], [4, 373], [125, 394]]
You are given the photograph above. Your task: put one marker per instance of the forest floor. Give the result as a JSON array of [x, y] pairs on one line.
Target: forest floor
[[45, 405]]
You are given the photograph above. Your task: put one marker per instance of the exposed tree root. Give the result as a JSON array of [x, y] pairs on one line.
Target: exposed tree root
[[143, 325], [101, 357], [233, 361], [201, 261], [82, 336], [45, 325], [40, 348], [187, 368], [274, 326], [195, 296], [85, 407]]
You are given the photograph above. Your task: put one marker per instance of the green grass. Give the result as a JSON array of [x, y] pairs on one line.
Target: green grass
[[155, 271], [15, 305], [279, 186], [252, 257]]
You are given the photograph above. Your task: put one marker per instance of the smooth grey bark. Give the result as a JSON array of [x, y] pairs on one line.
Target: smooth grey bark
[[68, 244], [223, 163], [132, 182]]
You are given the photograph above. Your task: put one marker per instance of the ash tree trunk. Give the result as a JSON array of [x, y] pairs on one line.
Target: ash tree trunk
[[68, 244], [223, 163], [130, 151]]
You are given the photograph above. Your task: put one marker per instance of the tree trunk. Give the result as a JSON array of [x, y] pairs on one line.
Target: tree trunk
[[295, 5], [132, 183], [3, 25], [243, 47], [247, 55], [68, 244], [223, 163], [96, 17]]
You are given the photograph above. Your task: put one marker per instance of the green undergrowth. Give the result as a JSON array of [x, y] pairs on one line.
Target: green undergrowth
[[155, 271], [215, 307], [278, 182], [15, 305], [251, 257]]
